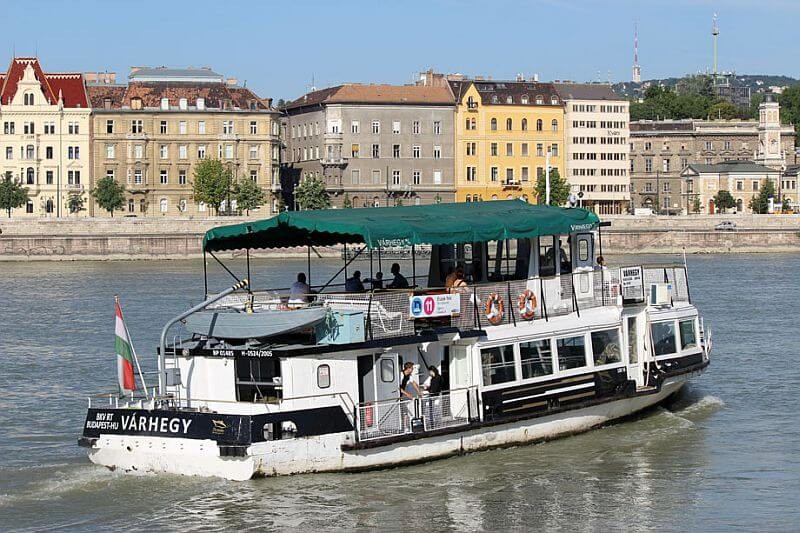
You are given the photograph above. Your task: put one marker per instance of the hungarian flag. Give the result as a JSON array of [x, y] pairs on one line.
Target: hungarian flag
[[124, 350]]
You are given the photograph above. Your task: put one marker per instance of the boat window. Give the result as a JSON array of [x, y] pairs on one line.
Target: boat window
[[663, 337], [571, 352], [452, 256], [387, 370], [498, 364], [605, 347], [323, 376], [583, 249], [633, 342], [564, 253], [258, 379], [547, 257], [504, 260], [688, 337], [537, 358]]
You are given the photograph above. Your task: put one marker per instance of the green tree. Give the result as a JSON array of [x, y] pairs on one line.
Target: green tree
[[755, 101], [347, 203], [759, 204], [12, 194], [398, 202], [786, 205], [212, 183], [75, 202], [310, 193], [696, 205], [723, 109], [109, 194], [724, 200], [248, 195], [790, 108], [559, 188]]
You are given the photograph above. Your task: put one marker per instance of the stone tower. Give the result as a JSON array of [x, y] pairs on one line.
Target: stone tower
[[769, 133]]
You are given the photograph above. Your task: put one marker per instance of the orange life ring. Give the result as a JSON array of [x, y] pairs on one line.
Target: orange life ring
[[526, 304], [494, 309]]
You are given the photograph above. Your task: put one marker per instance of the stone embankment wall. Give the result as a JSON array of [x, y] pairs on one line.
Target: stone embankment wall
[[154, 238]]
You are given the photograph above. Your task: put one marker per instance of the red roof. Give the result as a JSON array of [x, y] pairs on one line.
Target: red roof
[[68, 85]]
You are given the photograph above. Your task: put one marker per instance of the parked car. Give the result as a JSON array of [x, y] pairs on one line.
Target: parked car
[[726, 225]]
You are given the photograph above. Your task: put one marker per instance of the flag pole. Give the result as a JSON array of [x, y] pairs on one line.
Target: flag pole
[[133, 350]]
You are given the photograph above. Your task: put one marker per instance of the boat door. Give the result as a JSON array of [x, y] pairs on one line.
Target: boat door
[[633, 333], [460, 380], [387, 377]]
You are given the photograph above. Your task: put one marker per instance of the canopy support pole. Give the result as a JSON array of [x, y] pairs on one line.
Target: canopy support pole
[[308, 265], [371, 273], [205, 275], [249, 286], [413, 266], [380, 266], [345, 262], [342, 269], [223, 266]]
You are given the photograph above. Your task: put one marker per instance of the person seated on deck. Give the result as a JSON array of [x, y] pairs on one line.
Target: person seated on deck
[[451, 277], [458, 282], [399, 281], [377, 281], [354, 284], [300, 290]]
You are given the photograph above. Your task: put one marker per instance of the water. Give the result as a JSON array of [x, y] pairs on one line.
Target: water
[[726, 455]]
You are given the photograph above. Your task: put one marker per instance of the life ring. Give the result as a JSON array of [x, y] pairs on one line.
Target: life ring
[[527, 304], [494, 309]]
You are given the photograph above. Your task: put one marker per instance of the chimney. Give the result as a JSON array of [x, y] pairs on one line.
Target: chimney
[[535, 77], [520, 77]]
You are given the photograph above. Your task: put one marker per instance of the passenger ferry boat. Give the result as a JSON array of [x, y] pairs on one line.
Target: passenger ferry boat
[[540, 342]]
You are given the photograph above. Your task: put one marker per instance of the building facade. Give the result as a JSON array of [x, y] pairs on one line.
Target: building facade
[[374, 145], [506, 133], [661, 150], [45, 137], [597, 145], [151, 133], [743, 179]]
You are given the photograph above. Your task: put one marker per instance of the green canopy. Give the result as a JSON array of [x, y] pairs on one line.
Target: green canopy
[[382, 226]]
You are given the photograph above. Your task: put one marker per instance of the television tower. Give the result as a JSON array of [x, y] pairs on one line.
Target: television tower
[[637, 70], [715, 34]]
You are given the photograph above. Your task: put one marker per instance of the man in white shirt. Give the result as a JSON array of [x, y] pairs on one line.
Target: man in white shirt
[[300, 290]]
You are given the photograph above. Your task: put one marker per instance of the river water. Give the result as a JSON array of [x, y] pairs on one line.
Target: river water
[[725, 455]]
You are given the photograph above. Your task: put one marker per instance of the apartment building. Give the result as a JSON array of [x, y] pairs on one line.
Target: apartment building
[[597, 145], [151, 132], [45, 138], [374, 145], [506, 133]]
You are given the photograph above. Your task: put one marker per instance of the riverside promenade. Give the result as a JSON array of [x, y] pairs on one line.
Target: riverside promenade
[[122, 238]]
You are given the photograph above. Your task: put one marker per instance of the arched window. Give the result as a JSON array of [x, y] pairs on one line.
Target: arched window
[[471, 104], [554, 100], [376, 202], [494, 197], [469, 198], [539, 125], [509, 124], [356, 201], [27, 99], [472, 123], [524, 124], [182, 206], [29, 152], [48, 206], [29, 176], [509, 99], [554, 125], [494, 124], [524, 99], [539, 99]]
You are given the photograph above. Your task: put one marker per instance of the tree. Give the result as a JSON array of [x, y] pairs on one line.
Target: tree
[[310, 193], [75, 202], [724, 200], [12, 194], [786, 205], [212, 183], [759, 204], [696, 204], [559, 188], [724, 110], [109, 194], [248, 195], [347, 203], [789, 100]]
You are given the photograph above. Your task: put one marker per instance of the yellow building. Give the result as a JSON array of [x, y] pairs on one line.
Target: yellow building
[[504, 130]]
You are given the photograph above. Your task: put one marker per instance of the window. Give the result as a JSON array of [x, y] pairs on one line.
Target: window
[[48, 152], [437, 177], [182, 177], [8, 128], [493, 149], [163, 177], [253, 127], [355, 176], [537, 358], [30, 177], [323, 376], [29, 128], [396, 127], [109, 126], [437, 127], [494, 173], [201, 127], [554, 150], [395, 177], [253, 151], [73, 176], [509, 124], [472, 173], [354, 150], [525, 174], [416, 151], [605, 347], [163, 128], [498, 364], [110, 151], [539, 150], [201, 151], [182, 151], [437, 152], [688, 337], [539, 124], [376, 127], [137, 177], [755, 185], [376, 151], [376, 176], [355, 127], [524, 124], [571, 352], [663, 337], [27, 99], [509, 149], [163, 151], [509, 175], [709, 145], [417, 177], [9, 152], [396, 151], [73, 152], [493, 124], [648, 164], [471, 124], [415, 127], [387, 370], [228, 151], [73, 128], [554, 125], [49, 128], [665, 165], [136, 126], [138, 151], [227, 127]]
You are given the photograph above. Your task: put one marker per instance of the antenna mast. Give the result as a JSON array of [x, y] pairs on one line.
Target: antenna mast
[[715, 34], [637, 70]]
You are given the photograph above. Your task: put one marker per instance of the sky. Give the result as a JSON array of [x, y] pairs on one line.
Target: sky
[[278, 48]]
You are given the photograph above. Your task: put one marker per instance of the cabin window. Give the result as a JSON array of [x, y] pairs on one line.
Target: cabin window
[[663, 337], [564, 256], [633, 342], [508, 260], [498, 364], [323, 376], [688, 337], [387, 370], [547, 256], [605, 347], [571, 352], [537, 358], [258, 379], [583, 249]]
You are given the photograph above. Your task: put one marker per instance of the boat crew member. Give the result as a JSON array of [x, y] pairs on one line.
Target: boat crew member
[[300, 290], [399, 281], [354, 284]]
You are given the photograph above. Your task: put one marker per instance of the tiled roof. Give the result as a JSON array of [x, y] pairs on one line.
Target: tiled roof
[[175, 74], [731, 166], [649, 125], [509, 92], [69, 85], [151, 93], [353, 93], [792, 170], [586, 91]]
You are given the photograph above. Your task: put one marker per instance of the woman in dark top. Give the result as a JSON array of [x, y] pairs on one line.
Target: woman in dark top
[[436, 383]]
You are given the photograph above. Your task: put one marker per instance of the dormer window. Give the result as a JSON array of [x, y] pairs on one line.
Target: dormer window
[[165, 104], [107, 104], [539, 99], [494, 98], [471, 103], [554, 100], [509, 99], [201, 103], [182, 104], [136, 103], [524, 99], [27, 99]]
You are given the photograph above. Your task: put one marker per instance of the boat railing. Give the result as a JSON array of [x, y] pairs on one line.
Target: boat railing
[[396, 417]]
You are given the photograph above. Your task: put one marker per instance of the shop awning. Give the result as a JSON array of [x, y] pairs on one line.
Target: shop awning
[[388, 226]]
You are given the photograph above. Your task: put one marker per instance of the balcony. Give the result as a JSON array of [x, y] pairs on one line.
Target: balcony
[[333, 161], [75, 187], [512, 185], [333, 137], [136, 136]]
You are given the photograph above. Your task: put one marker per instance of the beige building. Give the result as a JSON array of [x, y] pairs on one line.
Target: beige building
[[150, 134], [45, 136], [597, 131], [743, 179]]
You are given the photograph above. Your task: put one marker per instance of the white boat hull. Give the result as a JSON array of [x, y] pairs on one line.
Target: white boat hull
[[324, 454]]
